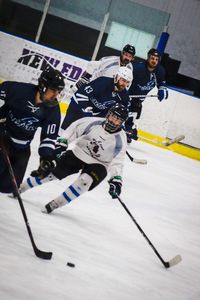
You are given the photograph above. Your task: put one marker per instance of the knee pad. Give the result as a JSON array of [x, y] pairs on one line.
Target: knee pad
[[97, 172], [84, 182]]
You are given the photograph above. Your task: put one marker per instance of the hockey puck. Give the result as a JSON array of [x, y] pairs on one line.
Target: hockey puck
[[69, 264]]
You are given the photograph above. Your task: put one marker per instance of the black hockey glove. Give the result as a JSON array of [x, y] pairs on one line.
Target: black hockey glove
[[85, 79], [2, 127], [132, 135], [45, 168], [82, 81], [115, 186]]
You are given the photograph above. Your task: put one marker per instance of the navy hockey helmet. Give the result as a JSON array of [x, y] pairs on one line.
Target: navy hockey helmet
[[130, 49], [52, 79], [118, 111], [154, 52]]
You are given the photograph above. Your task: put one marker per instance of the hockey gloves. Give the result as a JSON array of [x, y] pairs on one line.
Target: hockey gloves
[[45, 168], [61, 147], [162, 93], [132, 135], [115, 186], [84, 80]]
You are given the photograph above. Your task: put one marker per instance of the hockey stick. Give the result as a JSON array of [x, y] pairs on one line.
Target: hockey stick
[[39, 253], [136, 160], [142, 96], [164, 143], [167, 264]]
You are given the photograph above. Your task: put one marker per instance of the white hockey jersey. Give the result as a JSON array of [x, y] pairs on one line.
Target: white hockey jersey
[[107, 66], [95, 145]]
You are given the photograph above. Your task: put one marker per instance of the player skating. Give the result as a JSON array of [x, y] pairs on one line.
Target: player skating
[[23, 108], [100, 145]]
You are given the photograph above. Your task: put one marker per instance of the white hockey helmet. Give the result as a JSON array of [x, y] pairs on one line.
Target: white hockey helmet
[[125, 73]]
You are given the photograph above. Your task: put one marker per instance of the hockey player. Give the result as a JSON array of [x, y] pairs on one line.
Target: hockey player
[[106, 66], [23, 108], [100, 144], [146, 76], [95, 98]]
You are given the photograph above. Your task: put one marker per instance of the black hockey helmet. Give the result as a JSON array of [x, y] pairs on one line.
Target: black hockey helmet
[[120, 112], [130, 49], [51, 78], [154, 52]]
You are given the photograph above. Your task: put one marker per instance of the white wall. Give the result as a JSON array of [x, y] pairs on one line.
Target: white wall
[[184, 30], [180, 114]]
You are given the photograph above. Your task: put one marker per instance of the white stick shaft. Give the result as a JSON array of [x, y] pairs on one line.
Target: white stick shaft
[[142, 96]]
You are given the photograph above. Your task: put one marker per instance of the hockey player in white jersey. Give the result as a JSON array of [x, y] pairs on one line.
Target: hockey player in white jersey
[[100, 148], [107, 66]]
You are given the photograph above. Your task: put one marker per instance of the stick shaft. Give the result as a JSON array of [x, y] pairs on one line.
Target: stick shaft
[[166, 264], [142, 96], [38, 252]]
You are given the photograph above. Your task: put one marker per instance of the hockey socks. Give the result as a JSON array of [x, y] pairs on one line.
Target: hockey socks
[[80, 186], [31, 182]]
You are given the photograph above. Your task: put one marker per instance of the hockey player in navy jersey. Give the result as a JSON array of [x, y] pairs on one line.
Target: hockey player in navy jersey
[[23, 108], [147, 75], [95, 98], [100, 146]]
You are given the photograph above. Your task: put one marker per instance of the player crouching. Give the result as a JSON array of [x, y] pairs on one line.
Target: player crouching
[[100, 145]]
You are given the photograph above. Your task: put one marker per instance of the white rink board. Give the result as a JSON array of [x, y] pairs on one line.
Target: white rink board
[[22, 60]]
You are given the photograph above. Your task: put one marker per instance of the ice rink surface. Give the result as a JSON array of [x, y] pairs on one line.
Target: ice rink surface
[[112, 259]]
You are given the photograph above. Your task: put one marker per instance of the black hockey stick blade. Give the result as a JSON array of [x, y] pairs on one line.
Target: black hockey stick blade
[[136, 160], [167, 264], [174, 261], [42, 254], [39, 253]]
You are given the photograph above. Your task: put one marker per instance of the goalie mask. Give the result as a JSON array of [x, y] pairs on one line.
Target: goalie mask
[[115, 117]]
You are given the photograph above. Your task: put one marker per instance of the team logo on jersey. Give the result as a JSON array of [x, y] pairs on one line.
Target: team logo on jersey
[[29, 123], [32, 107], [149, 86], [94, 146]]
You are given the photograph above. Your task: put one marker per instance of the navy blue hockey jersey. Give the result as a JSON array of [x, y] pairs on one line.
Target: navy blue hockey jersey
[[94, 99], [144, 80], [23, 117], [99, 96]]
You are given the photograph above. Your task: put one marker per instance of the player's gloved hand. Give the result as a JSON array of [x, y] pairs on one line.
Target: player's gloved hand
[[162, 93], [115, 186], [82, 81], [74, 88], [2, 127], [132, 135], [45, 168], [61, 147]]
